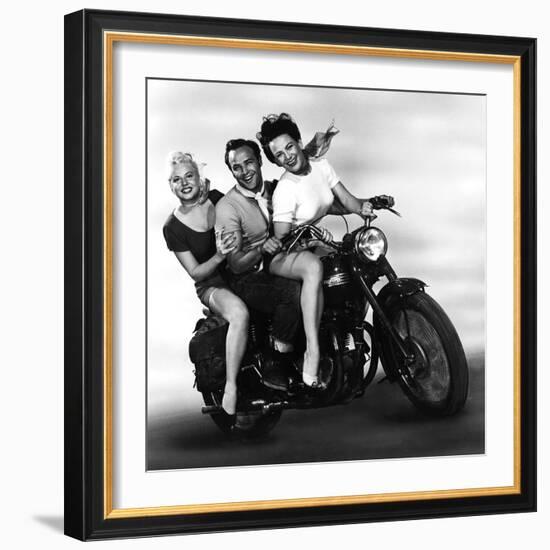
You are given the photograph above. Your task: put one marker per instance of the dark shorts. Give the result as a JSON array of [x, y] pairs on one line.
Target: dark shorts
[[273, 295], [206, 288]]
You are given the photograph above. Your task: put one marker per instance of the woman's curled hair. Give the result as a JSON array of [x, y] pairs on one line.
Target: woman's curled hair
[[274, 126]]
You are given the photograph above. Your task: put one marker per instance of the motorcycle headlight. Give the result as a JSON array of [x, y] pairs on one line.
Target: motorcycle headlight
[[371, 243]]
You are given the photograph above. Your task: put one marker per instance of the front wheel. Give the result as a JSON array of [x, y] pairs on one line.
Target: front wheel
[[436, 378], [253, 425], [371, 355]]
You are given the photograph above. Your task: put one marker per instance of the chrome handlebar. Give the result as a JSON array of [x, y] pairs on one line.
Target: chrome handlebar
[[315, 233], [381, 202]]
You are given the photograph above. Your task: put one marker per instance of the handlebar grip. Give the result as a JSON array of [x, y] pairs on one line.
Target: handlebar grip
[[380, 202]]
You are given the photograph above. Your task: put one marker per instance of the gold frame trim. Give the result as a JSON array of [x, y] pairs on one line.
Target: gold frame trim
[[109, 39]]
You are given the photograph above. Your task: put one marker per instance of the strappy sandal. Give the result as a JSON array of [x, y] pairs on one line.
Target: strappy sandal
[[311, 381]]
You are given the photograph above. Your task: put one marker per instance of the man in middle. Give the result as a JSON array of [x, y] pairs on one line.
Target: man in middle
[[245, 210]]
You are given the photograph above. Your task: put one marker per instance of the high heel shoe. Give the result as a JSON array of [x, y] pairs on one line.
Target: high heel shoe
[[310, 380], [229, 401]]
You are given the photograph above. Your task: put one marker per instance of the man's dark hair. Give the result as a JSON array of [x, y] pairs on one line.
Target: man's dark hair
[[234, 144], [274, 126]]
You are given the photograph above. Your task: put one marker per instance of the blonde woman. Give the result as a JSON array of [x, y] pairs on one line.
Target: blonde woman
[[189, 233]]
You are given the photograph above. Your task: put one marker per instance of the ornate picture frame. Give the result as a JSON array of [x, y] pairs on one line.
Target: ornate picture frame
[[91, 158]]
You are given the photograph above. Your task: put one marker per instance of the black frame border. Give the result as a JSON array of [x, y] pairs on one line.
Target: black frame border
[[84, 256]]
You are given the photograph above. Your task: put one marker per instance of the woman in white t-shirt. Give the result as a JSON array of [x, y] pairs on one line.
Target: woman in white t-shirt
[[304, 193]]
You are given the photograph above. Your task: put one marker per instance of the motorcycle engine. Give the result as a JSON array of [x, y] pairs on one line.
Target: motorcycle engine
[[337, 282]]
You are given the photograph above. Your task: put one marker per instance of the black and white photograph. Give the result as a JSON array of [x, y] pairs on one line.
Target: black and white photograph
[[315, 274], [289, 278], [300, 275]]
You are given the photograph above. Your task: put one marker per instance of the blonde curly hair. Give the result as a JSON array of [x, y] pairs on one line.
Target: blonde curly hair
[[177, 159]]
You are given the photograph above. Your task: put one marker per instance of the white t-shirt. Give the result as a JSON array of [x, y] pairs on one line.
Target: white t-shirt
[[302, 199]]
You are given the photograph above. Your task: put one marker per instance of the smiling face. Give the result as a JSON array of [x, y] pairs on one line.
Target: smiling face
[[246, 168], [185, 182], [288, 154]]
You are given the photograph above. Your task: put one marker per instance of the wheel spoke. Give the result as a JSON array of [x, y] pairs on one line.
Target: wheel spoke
[[430, 373]]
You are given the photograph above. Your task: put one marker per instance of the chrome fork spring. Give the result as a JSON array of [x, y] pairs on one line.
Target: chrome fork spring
[[252, 333]]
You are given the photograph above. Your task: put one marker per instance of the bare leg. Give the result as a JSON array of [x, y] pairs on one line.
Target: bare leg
[[306, 267], [235, 312]]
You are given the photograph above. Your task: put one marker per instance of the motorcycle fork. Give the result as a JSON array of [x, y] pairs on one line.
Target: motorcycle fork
[[371, 298], [335, 387]]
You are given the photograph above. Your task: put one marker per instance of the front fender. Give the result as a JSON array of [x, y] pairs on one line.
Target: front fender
[[393, 292], [399, 289]]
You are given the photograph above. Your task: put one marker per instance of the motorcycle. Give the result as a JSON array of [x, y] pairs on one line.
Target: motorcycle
[[410, 335]]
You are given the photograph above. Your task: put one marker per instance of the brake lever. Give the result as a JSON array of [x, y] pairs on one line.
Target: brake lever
[[381, 202], [296, 239]]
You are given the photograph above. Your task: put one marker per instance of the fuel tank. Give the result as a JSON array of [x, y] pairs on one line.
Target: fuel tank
[[337, 281]]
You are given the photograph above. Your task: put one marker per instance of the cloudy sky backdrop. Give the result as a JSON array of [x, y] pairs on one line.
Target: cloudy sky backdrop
[[428, 150]]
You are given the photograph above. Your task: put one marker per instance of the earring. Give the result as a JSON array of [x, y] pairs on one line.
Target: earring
[[204, 189]]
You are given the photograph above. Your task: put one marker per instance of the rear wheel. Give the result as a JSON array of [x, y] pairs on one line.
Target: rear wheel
[[252, 425], [436, 379]]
